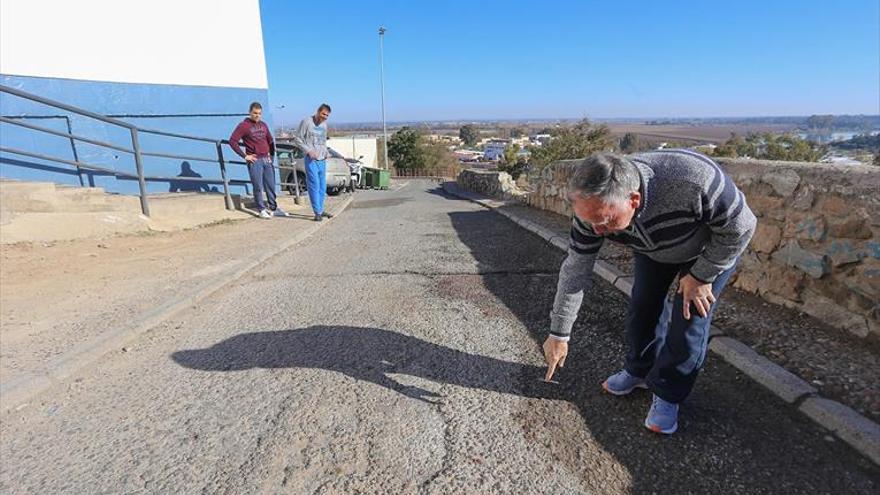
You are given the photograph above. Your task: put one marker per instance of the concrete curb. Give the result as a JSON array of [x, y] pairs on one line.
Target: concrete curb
[[16, 392], [856, 430]]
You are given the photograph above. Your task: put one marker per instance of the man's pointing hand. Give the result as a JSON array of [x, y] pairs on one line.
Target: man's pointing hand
[[555, 351]]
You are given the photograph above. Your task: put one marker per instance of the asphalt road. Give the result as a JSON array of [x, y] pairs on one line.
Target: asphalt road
[[397, 351]]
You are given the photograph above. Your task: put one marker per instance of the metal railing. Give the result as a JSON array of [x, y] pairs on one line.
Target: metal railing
[[135, 150]]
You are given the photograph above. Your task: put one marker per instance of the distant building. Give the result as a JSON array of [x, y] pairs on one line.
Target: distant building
[[540, 139], [467, 155], [493, 149]]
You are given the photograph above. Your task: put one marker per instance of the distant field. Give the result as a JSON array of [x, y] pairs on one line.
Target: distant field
[[702, 133]]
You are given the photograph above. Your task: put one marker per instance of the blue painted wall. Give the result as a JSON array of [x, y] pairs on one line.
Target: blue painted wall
[[210, 112]]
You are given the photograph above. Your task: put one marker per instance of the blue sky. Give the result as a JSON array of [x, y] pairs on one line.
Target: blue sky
[[570, 59]]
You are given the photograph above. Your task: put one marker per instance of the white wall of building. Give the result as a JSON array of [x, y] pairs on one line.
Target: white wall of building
[[355, 147], [183, 42]]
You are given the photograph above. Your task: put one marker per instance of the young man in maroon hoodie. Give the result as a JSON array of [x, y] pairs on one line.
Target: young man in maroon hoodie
[[259, 154]]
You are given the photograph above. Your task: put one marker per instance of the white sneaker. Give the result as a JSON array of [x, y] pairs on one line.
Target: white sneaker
[[265, 214]]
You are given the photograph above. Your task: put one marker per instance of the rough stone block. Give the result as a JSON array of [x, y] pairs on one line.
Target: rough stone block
[[767, 206], [766, 238], [782, 282], [780, 381], [811, 228], [784, 182], [855, 226], [865, 281], [872, 249], [844, 252], [834, 205], [858, 431], [814, 265], [803, 200]]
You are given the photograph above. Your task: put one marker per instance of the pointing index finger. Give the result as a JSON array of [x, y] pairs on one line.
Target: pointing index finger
[[551, 368]]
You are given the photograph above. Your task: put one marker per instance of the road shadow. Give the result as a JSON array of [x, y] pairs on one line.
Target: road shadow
[[368, 354]]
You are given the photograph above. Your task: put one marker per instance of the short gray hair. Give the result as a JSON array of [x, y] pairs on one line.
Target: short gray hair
[[610, 177]]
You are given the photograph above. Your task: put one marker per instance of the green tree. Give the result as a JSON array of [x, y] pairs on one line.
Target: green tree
[[436, 156], [469, 135], [629, 143], [512, 162], [404, 150], [577, 141], [517, 132], [769, 146]]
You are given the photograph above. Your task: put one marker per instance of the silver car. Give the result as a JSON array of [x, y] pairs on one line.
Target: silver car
[[338, 173]]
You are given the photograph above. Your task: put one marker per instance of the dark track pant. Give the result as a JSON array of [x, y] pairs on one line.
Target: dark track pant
[[263, 178], [662, 347]]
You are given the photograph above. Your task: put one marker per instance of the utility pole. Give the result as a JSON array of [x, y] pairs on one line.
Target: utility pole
[[382, 84]]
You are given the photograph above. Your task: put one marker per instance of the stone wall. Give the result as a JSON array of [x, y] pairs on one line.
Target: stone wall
[[492, 183], [817, 245]]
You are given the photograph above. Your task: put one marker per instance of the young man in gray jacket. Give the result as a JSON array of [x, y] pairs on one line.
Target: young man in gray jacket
[[311, 138], [683, 217]]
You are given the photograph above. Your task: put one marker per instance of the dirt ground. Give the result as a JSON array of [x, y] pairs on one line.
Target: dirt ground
[[57, 295]]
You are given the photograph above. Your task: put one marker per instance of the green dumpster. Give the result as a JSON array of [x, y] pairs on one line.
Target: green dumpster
[[370, 179], [384, 179]]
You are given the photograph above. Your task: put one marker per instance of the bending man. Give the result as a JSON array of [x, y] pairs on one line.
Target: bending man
[[683, 217]]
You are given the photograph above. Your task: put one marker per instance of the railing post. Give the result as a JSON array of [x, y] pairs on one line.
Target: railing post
[[295, 183], [142, 184], [227, 197], [79, 171]]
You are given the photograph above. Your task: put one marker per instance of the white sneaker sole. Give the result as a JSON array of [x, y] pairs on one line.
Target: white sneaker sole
[[657, 429], [641, 385]]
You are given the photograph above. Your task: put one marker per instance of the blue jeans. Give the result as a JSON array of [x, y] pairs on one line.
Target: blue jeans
[[662, 347], [263, 178], [316, 183]]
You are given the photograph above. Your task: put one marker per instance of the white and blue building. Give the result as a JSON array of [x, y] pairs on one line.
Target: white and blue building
[[183, 66]]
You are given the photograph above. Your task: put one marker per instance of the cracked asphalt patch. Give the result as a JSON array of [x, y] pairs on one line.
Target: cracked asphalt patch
[[398, 351]]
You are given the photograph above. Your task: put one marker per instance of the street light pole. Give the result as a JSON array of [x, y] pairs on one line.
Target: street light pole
[[382, 83], [280, 118]]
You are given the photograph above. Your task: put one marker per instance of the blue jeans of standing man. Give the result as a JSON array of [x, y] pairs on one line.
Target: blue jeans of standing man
[[262, 174], [664, 348], [316, 183]]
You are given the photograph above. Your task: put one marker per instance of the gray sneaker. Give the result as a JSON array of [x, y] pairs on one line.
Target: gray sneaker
[[280, 213], [662, 417], [622, 383]]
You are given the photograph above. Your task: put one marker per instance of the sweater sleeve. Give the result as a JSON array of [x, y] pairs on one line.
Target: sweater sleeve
[[575, 277], [299, 137], [271, 141], [731, 224], [236, 137]]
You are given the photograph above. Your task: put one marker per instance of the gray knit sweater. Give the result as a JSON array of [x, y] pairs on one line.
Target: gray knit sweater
[[691, 212]]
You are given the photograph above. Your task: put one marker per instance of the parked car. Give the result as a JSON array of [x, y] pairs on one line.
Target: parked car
[[338, 172]]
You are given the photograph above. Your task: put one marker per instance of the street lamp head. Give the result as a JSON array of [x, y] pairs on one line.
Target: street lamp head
[[382, 30]]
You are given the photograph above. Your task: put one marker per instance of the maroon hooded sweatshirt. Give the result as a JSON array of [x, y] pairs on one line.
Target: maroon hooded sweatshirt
[[257, 139]]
